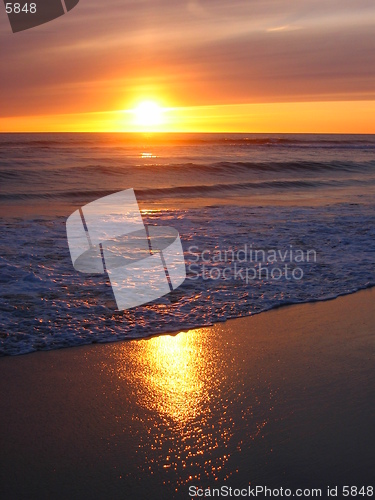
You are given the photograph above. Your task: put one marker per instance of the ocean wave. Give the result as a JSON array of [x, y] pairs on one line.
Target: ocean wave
[[45, 304], [191, 190], [207, 189], [298, 166], [230, 167]]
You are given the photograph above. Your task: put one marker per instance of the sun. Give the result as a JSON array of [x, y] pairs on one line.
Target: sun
[[148, 114]]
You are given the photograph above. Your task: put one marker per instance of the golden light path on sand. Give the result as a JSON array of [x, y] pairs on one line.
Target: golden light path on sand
[[185, 390], [173, 375], [177, 382]]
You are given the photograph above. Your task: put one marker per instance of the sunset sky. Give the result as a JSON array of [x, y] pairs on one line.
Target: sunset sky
[[212, 65]]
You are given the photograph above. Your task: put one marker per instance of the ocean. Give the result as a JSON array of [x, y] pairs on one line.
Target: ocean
[[265, 220]]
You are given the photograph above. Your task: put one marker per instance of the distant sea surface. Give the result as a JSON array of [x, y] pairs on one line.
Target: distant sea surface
[[223, 192]]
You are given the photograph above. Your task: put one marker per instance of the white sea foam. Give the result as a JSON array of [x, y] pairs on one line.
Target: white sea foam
[[46, 304]]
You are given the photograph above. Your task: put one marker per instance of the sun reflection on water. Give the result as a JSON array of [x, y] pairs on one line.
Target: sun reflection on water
[[148, 155], [172, 374], [190, 396], [177, 381]]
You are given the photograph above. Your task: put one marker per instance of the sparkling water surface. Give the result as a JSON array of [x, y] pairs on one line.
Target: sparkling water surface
[[227, 193]]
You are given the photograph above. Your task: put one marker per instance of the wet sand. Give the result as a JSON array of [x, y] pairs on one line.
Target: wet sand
[[281, 399]]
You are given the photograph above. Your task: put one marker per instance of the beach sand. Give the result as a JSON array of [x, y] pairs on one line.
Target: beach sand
[[281, 399]]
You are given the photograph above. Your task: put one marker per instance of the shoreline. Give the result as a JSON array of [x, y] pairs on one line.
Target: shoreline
[[197, 327], [283, 399]]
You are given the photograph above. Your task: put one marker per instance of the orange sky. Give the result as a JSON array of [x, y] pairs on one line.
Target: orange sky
[[244, 65]]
